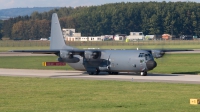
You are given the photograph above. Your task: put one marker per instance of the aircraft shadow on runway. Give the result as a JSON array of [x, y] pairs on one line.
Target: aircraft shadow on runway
[[133, 74], [106, 74]]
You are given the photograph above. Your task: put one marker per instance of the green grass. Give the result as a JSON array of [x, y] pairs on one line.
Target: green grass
[[71, 95], [178, 64], [30, 62], [23, 43], [5, 49], [170, 63], [174, 44]]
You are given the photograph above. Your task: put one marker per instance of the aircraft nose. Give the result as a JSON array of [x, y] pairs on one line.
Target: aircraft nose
[[151, 64]]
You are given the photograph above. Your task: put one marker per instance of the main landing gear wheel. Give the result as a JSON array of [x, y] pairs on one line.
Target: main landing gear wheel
[[143, 73], [91, 73], [112, 73], [97, 72], [94, 73]]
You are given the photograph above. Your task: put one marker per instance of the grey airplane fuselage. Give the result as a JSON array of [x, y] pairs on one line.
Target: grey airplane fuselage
[[117, 61]]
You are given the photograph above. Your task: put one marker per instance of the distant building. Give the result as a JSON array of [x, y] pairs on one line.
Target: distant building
[[186, 37], [166, 37], [136, 36], [150, 37], [119, 37], [71, 35], [43, 39], [68, 32], [106, 37], [95, 38]]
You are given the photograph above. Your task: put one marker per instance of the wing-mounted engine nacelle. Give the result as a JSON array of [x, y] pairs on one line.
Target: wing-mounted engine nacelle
[[92, 54], [157, 53], [68, 57], [66, 54]]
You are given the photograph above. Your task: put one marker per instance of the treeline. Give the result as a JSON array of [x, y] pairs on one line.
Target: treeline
[[175, 18], [1, 31]]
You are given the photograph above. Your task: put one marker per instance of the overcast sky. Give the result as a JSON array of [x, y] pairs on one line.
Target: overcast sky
[[5, 4]]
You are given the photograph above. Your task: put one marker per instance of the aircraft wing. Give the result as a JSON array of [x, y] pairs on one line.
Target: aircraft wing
[[72, 51], [37, 51], [158, 53], [177, 50]]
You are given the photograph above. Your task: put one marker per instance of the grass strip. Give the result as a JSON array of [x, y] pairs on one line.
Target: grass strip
[[63, 95]]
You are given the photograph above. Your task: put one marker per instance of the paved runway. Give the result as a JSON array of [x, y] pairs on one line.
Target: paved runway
[[169, 78]]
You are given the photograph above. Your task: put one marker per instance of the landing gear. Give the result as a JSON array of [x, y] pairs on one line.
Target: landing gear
[[112, 73], [91, 73], [143, 73], [97, 72], [94, 73]]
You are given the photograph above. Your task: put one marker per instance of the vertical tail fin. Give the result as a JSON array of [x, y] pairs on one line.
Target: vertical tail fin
[[57, 40]]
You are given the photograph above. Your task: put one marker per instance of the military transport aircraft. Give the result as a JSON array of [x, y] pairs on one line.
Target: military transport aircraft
[[95, 61]]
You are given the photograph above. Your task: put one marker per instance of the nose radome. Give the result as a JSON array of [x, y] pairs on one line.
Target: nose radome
[[151, 64]]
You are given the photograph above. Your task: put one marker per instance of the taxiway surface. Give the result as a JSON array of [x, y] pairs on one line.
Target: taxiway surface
[[169, 78]]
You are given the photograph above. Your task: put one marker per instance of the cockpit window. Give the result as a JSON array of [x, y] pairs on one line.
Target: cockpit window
[[147, 56], [150, 55], [141, 55]]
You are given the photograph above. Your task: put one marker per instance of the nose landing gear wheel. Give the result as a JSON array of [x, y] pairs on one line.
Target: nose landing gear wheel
[[143, 73]]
